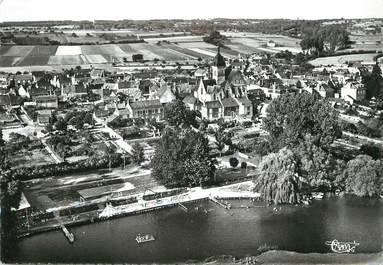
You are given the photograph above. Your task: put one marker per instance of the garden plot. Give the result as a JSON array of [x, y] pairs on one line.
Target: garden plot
[[19, 51], [68, 50], [65, 59], [34, 157]]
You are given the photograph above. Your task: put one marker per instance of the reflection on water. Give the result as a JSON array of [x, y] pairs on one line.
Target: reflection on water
[[207, 230]]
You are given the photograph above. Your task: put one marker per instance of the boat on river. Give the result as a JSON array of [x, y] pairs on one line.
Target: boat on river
[[144, 238]]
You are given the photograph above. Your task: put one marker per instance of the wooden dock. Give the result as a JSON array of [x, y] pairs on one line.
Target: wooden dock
[[183, 207], [68, 234], [215, 200]]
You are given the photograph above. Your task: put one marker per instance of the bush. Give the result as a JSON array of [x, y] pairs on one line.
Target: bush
[[243, 165], [265, 247], [233, 162]]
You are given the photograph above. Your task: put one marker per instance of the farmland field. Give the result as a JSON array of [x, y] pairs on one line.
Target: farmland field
[[18, 51], [4, 49], [334, 60], [67, 59], [112, 49], [171, 48], [367, 42], [34, 60], [68, 50], [91, 49], [6, 61], [178, 39], [43, 50], [95, 58]]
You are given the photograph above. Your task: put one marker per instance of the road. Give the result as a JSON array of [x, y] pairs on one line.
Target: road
[[57, 158], [373, 140]]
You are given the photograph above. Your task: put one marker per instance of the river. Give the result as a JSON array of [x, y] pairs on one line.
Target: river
[[207, 230]]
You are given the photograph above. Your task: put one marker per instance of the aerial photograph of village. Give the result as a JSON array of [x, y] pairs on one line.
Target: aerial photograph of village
[[191, 132]]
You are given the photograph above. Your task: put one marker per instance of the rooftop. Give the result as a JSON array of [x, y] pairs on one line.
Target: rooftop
[[146, 104]]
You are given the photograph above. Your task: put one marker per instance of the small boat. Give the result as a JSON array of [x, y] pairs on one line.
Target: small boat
[[144, 238], [317, 195]]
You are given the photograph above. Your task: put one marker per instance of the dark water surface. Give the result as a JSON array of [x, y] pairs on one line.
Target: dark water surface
[[211, 230]]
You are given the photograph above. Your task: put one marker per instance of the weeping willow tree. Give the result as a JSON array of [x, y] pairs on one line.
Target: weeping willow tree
[[278, 182]]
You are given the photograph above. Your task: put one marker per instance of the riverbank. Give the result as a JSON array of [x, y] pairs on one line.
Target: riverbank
[[243, 190], [282, 257], [290, 257]]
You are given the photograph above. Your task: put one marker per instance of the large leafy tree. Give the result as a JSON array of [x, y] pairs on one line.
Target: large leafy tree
[[278, 182], [176, 114], [138, 153], [374, 83], [182, 159], [318, 167], [291, 118], [364, 176], [223, 138]]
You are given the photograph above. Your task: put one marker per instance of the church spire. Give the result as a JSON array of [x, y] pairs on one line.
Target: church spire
[[219, 61]]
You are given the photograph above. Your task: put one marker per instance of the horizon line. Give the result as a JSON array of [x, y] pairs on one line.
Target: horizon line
[[191, 19]]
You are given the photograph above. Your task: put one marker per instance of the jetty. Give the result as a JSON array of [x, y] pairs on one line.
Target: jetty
[[68, 234], [216, 201], [183, 207]]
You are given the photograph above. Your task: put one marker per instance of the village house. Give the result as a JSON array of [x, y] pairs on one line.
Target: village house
[[9, 102], [323, 89], [164, 94], [353, 91], [97, 74], [43, 116], [146, 109], [50, 101]]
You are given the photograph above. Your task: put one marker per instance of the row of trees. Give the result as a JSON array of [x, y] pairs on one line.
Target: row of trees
[[10, 195], [42, 171], [325, 39]]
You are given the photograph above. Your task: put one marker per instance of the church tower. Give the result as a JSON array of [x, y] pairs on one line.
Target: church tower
[[218, 68]]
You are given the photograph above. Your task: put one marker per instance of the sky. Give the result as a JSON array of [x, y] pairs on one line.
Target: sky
[[31, 10]]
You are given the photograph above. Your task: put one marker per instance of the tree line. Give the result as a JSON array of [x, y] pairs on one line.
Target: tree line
[[302, 129]]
